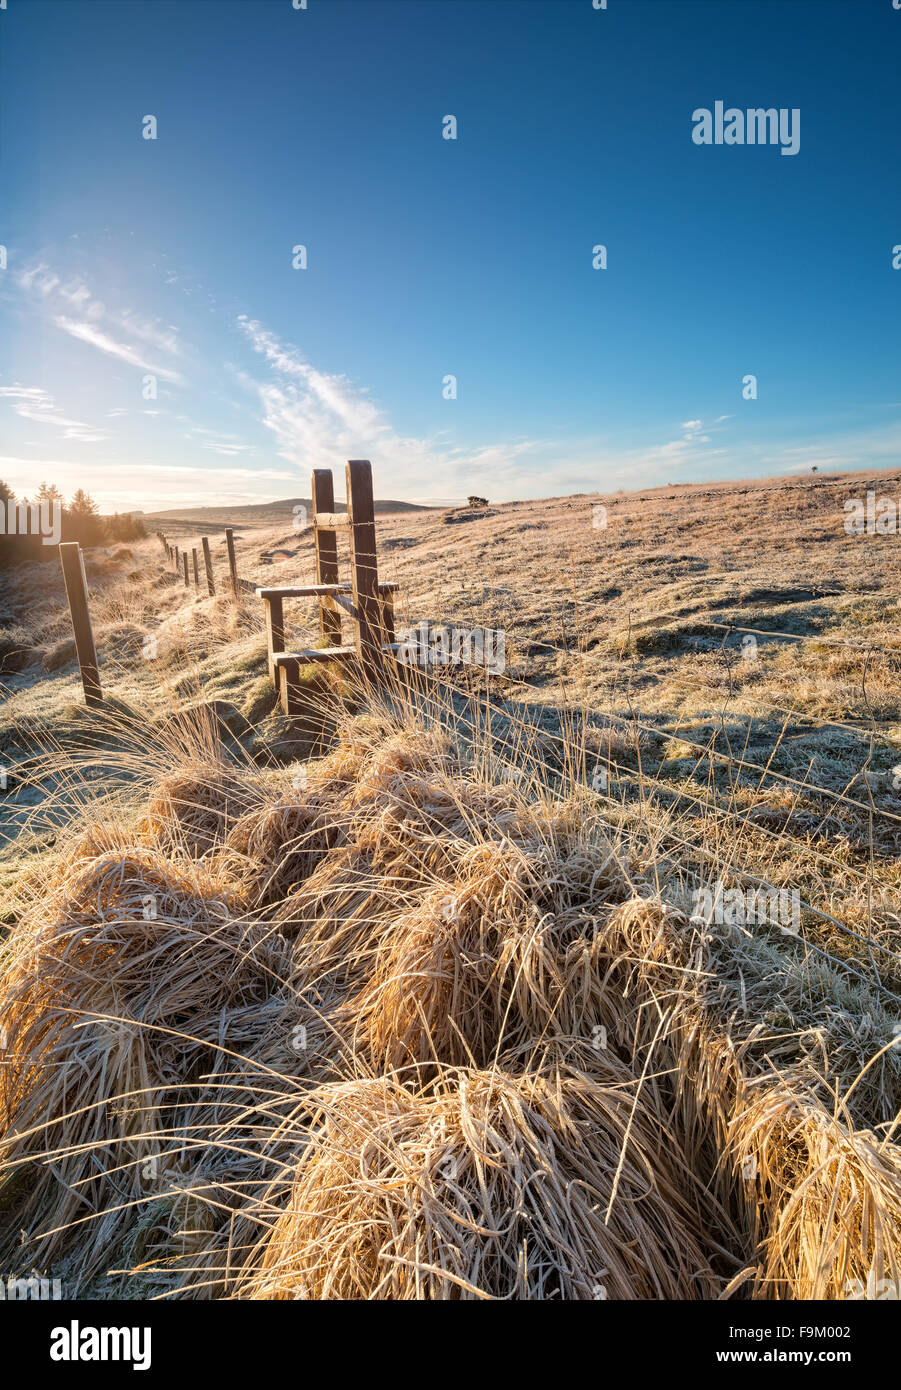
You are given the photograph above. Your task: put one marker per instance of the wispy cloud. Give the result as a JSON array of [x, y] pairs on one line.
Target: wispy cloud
[[23, 393], [35, 404], [164, 337], [318, 420], [306, 417], [75, 310], [88, 332], [227, 450], [323, 399]]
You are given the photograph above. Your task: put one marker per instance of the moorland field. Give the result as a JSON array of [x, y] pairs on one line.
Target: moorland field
[[464, 987]]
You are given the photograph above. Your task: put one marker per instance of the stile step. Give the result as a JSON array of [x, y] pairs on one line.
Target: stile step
[[313, 654], [316, 590]]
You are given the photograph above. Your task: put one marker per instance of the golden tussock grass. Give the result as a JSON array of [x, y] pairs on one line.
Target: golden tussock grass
[[390, 1025]]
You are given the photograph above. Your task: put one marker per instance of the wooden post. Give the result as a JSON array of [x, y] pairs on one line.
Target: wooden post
[[175, 565], [77, 594], [275, 634], [184, 560], [326, 543], [196, 570], [364, 567], [208, 564], [232, 562], [388, 616]]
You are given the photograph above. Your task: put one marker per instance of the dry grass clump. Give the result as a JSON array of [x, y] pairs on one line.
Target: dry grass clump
[[780, 1132], [826, 1199], [490, 1185], [117, 988], [504, 952], [397, 1031], [97, 837], [189, 811], [276, 845]]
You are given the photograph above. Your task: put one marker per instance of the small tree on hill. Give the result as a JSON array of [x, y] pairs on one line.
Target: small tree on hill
[[84, 523]]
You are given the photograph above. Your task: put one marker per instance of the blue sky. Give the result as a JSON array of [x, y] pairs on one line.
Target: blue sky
[[430, 257]]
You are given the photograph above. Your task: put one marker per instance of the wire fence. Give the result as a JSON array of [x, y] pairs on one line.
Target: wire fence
[[666, 782], [725, 792]]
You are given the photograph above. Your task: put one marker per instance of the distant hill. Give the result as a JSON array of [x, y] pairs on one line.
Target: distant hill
[[263, 513]]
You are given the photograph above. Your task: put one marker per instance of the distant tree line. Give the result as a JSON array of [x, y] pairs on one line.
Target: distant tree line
[[32, 527]]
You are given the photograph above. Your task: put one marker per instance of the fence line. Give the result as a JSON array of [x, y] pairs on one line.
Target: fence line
[[656, 788], [72, 560], [369, 605], [726, 758]]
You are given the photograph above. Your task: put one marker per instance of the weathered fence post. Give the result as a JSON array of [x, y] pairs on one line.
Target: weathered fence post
[[175, 565], [364, 567], [77, 593], [196, 571], [388, 617], [275, 635], [232, 562], [184, 561], [208, 565], [326, 543]]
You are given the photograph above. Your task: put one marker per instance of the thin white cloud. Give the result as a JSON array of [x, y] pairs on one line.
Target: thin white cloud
[[89, 333], [25, 393], [319, 420], [228, 450], [320, 395], [74, 310], [163, 337], [35, 404]]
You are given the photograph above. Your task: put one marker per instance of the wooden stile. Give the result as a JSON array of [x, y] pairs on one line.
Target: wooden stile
[[369, 604]]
